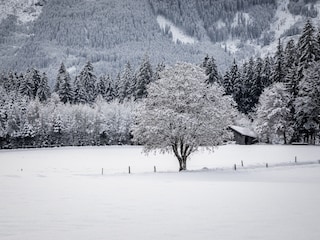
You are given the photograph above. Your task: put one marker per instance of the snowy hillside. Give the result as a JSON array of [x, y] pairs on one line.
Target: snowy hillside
[[25, 10], [177, 34], [110, 33], [61, 194]]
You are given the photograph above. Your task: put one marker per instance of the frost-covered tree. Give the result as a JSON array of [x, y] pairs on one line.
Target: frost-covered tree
[[43, 92], [307, 47], [143, 78], [63, 86], [182, 113], [307, 104], [88, 79], [279, 65], [273, 114], [126, 86], [290, 55], [266, 73], [80, 95], [212, 72]]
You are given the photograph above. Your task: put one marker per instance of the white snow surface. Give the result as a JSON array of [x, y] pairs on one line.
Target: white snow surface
[[177, 33], [60, 193], [25, 10]]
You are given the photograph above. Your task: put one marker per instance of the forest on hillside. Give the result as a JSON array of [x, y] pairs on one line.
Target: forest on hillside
[[278, 95], [110, 33]]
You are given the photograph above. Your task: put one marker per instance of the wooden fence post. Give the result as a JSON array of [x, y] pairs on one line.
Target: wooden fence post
[[241, 163], [235, 167], [102, 171], [129, 170], [295, 159], [154, 169], [267, 165]]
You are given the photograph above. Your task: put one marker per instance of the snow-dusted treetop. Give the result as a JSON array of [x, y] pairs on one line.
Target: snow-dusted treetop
[[182, 113]]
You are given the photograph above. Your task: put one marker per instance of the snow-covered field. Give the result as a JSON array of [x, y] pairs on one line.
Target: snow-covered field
[[61, 194]]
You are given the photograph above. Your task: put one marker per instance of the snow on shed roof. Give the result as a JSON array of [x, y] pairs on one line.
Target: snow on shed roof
[[244, 131]]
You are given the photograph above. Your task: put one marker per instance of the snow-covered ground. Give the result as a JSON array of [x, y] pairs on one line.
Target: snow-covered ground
[[177, 33], [61, 194]]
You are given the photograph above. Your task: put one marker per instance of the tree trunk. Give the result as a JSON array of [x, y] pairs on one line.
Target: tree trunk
[[284, 137], [182, 152]]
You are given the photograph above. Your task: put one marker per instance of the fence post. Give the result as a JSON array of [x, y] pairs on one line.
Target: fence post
[[295, 159], [235, 167], [267, 165], [154, 169], [129, 170], [241, 163], [102, 171]]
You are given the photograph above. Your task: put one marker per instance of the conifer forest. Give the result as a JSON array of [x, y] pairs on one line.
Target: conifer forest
[[277, 95]]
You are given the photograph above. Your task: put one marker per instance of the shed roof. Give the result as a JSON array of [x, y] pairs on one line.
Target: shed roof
[[244, 131]]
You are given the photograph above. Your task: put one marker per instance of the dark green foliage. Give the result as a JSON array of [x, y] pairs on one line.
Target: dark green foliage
[[143, 77]]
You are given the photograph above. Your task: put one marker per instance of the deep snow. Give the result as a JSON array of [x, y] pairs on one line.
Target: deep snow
[[61, 194]]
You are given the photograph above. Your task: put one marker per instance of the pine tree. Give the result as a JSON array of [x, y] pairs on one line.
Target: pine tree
[[60, 78], [80, 94], [266, 75], [279, 65], [144, 77], [290, 56], [257, 87], [247, 100], [126, 88], [102, 86], [63, 86], [212, 72], [110, 90], [88, 80], [27, 87], [43, 92], [160, 67], [307, 104], [205, 61], [226, 82], [307, 47]]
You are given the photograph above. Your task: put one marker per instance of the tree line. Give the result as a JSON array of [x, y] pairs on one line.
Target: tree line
[[279, 94], [87, 110]]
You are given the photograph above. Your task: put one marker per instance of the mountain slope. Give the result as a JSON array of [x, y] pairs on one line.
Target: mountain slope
[[43, 33]]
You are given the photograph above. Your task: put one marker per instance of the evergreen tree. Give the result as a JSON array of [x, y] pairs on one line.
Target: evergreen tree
[[63, 86], [279, 65], [226, 81], [27, 86], [102, 86], [88, 80], [257, 86], [80, 94], [110, 90], [290, 55], [43, 92], [266, 74], [212, 72], [247, 100], [160, 67], [307, 104], [126, 88], [205, 62], [307, 47], [144, 77]]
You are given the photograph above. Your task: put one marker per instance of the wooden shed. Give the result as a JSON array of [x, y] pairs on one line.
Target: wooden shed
[[244, 136]]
